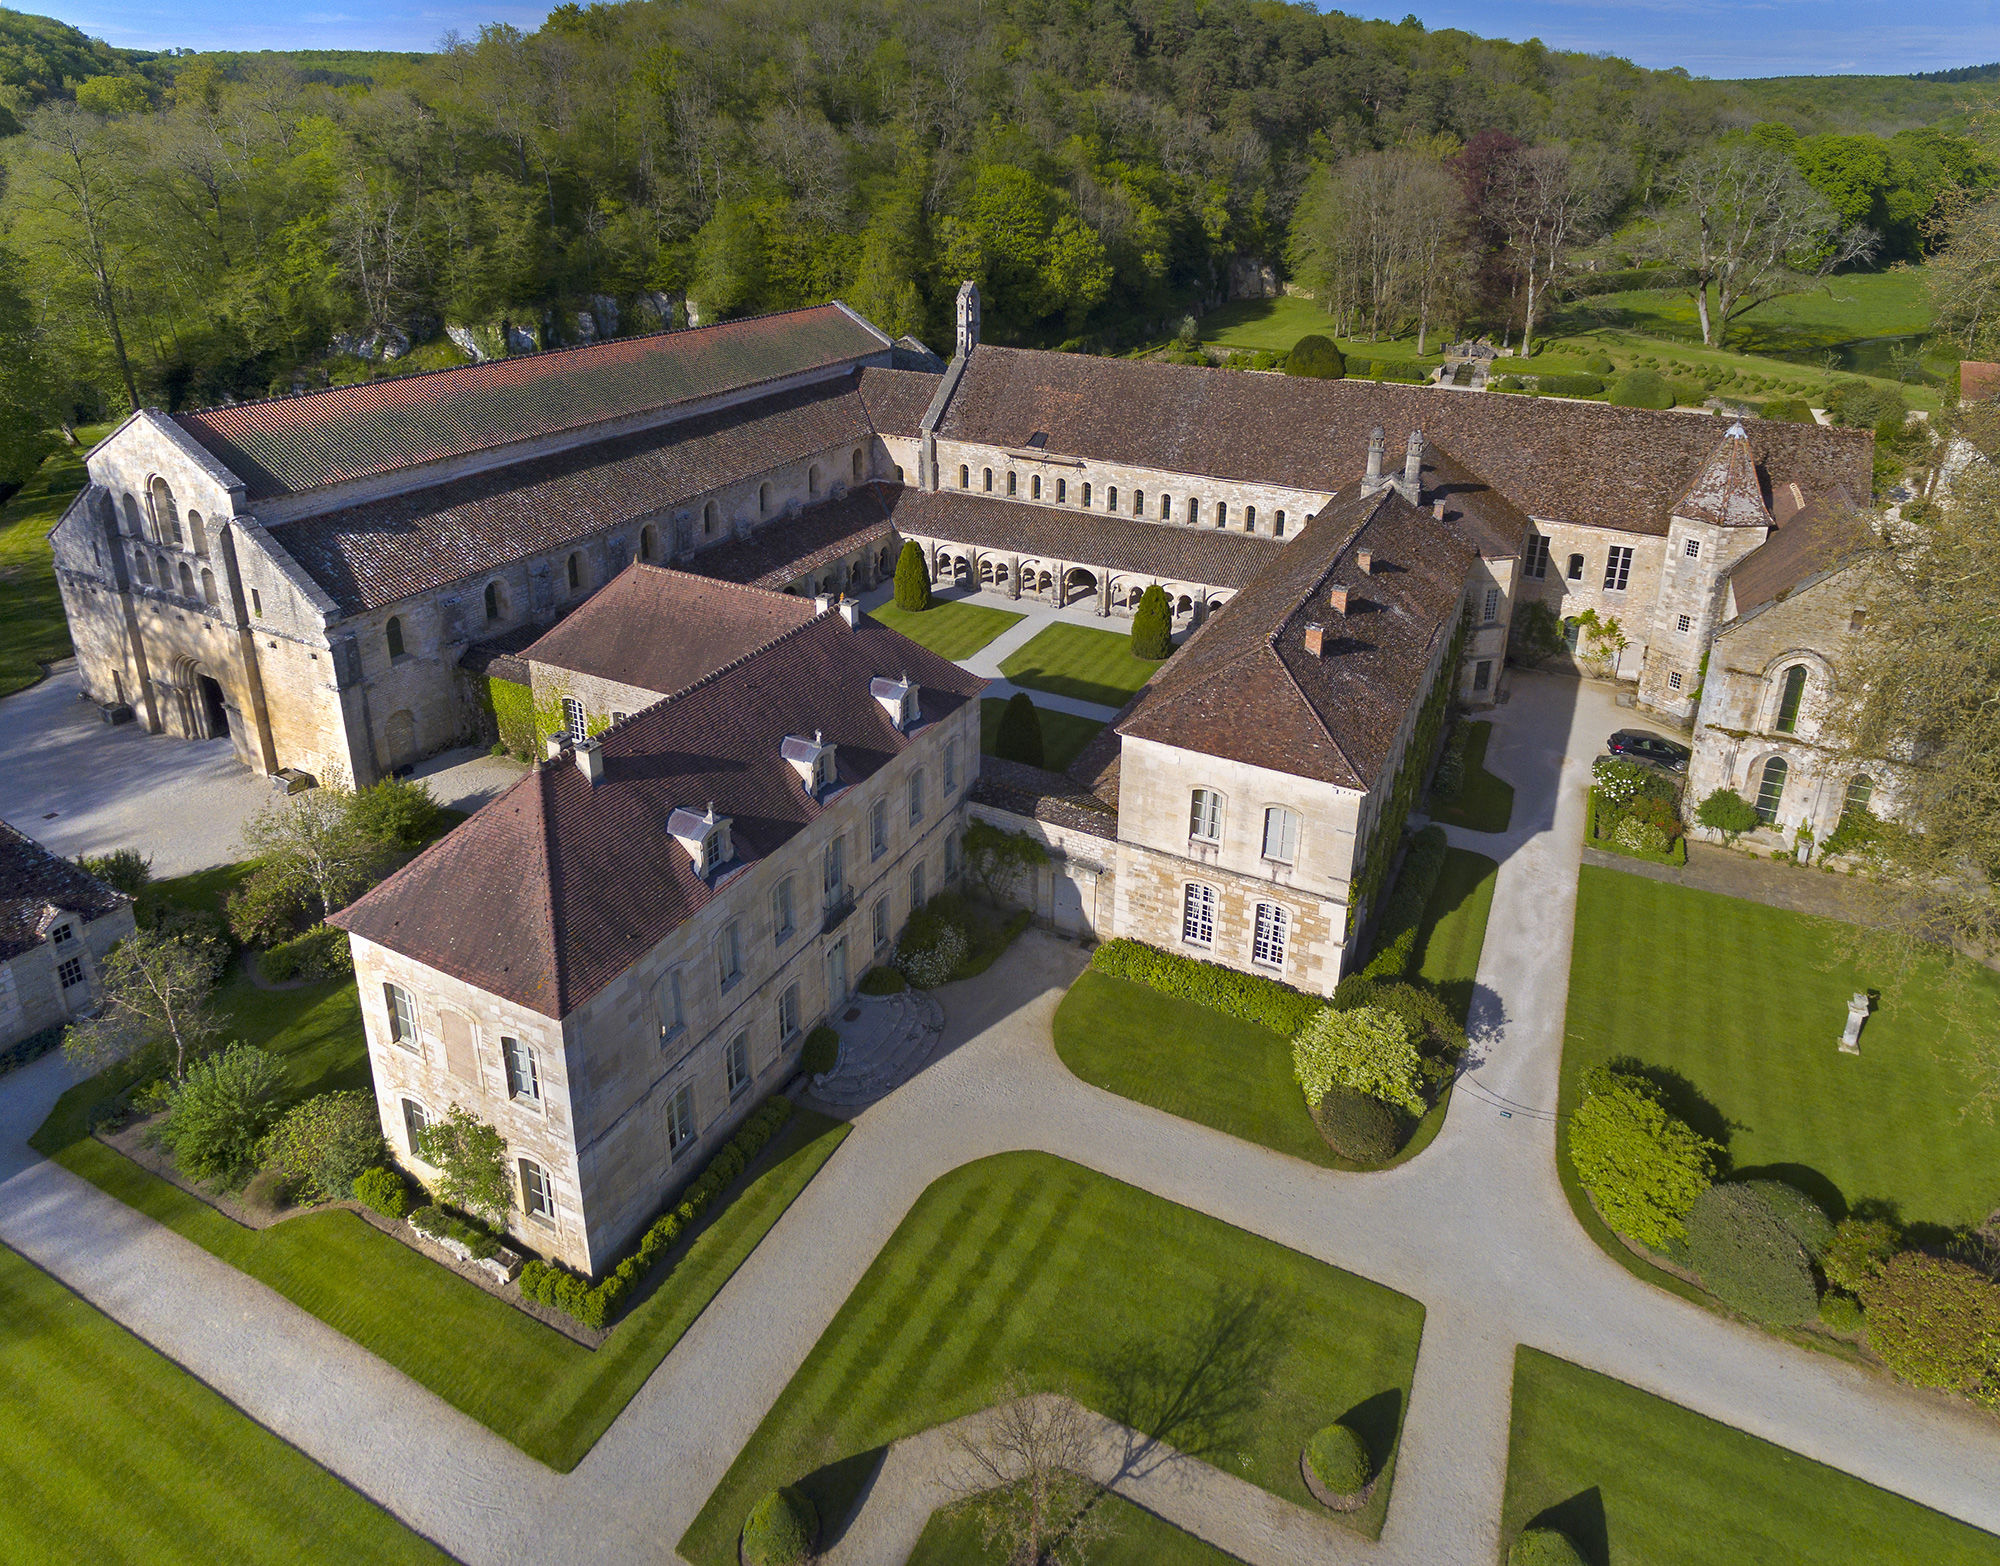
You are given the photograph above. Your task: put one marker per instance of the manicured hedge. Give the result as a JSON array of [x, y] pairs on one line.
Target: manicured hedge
[[1569, 385], [1747, 1255], [383, 1190], [882, 980], [1544, 1547], [594, 1306], [1935, 1322], [781, 1529], [1244, 996], [1403, 914], [822, 1051], [440, 1223], [1358, 1126], [31, 1048], [1339, 1460], [1317, 357]]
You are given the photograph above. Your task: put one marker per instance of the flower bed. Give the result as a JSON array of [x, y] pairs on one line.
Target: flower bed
[[1635, 810]]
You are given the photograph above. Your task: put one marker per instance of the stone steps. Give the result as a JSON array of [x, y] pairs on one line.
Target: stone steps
[[890, 1042]]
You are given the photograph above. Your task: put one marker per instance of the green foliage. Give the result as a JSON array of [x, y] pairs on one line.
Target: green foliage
[[1569, 385], [1842, 1313], [913, 579], [1641, 389], [397, 812], [1643, 1167], [1543, 1547], [1936, 1323], [1803, 1218], [1339, 1459], [1856, 1254], [112, 95], [217, 1115], [514, 717], [1359, 1126], [1749, 1257], [934, 944], [1153, 625], [383, 1190], [1403, 913], [1787, 410], [323, 952], [1536, 634], [1022, 239], [1019, 737], [821, 1053], [123, 869], [1858, 404], [471, 1160], [325, 1142], [1316, 357], [882, 980], [997, 858], [442, 1224], [780, 1530], [1369, 1050], [1597, 364], [1727, 812], [1249, 997]]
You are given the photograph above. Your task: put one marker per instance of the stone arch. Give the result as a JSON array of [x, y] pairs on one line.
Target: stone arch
[[392, 634], [129, 504], [1183, 604], [985, 568], [166, 515], [573, 571], [186, 580], [142, 567], [886, 562], [1814, 687], [496, 600], [763, 500], [649, 544], [812, 480], [860, 465], [197, 534], [399, 739], [1766, 786], [711, 514], [208, 587]]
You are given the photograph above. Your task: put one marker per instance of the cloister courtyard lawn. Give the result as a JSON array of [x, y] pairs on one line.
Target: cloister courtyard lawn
[[1223, 1344], [950, 629], [1133, 1536], [548, 1394], [1063, 733], [1742, 1005], [1638, 1481], [1081, 663], [110, 1451], [1236, 1076]]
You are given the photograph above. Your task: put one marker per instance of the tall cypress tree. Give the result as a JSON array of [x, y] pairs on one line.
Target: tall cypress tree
[[1152, 625], [913, 578]]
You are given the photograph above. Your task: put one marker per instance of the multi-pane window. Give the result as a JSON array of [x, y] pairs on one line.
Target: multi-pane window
[[574, 723], [916, 796], [537, 1199], [1860, 791], [1110, 497], [950, 766], [1674, 680], [1278, 525], [1684, 623], [783, 923], [1693, 549], [878, 829], [833, 873], [736, 1065], [680, 1119], [1198, 914], [523, 1081], [729, 954], [881, 930], [70, 971], [1086, 495], [1249, 519], [1492, 606], [1267, 941], [402, 1015], [788, 1012], [916, 886], [1205, 816], [1771, 790], [1281, 834], [1575, 572], [1617, 568], [964, 476], [416, 1121], [673, 1013], [62, 935], [1538, 557]]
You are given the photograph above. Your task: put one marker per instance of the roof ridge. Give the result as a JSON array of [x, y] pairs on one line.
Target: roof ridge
[[711, 581], [736, 663]]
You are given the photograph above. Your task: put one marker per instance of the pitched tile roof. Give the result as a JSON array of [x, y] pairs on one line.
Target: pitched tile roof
[[33, 881], [781, 552], [551, 891], [1568, 461], [897, 399], [1821, 537], [1245, 688], [1727, 491], [1095, 540], [663, 630], [378, 551], [289, 444]]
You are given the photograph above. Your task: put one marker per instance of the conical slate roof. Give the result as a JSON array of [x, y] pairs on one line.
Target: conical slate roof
[[1727, 491]]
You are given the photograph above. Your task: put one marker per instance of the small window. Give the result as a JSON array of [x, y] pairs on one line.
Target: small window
[[1267, 940], [729, 955], [523, 1081], [1684, 623], [711, 514], [736, 1065], [987, 479], [1035, 487], [618, 718], [416, 1121], [402, 1016], [575, 721], [833, 873], [393, 634], [964, 476], [680, 1120], [1110, 497], [1278, 525], [1617, 568], [1086, 496], [70, 971], [537, 1200], [1166, 508], [1674, 680], [878, 829], [649, 542], [1062, 491], [574, 569], [788, 1013], [1205, 816], [1793, 697], [860, 466], [1491, 611], [1482, 676], [763, 500], [812, 479], [916, 796], [62, 935], [1537, 564], [187, 580], [951, 766], [1138, 502], [673, 1013], [1857, 620], [881, 922], [1576, 568], [493, 600], [197, 534], [783, 924], [256, 603], [1281, 834], [1860, 791], [917, 886], [208, 588], [1249, 519], [1198, 915], [1771, 790], [1013, 484], [1693, 549]]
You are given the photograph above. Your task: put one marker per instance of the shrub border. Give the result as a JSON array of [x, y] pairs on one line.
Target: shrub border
[[1675, 856]]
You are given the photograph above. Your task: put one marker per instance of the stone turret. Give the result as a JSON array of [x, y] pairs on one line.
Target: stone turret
[[968, 319], [1373, 482]]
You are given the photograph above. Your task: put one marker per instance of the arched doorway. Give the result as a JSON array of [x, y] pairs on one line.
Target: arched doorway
[[214, 710], [400, 735]]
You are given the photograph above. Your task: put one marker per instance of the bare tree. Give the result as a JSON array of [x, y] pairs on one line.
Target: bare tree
[[1380, 242], [1749, 229], [155, 990], [1965, 273], [1550, 203], [1025, 1477]]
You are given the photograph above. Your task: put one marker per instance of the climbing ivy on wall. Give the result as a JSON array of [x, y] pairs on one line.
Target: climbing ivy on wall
[[524, 723]]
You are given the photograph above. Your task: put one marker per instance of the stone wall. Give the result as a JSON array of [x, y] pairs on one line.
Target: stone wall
[[1686, 609], [32, 996], [1567, 597]]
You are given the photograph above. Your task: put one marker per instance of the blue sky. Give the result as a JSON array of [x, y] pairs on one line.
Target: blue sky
[[1708, 37]]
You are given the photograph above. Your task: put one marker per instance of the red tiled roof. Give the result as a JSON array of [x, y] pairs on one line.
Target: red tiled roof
[[1826, 533], [1568, 461], [663, 630], [290, 444], [34, 879], [897, 399], [555, 888]]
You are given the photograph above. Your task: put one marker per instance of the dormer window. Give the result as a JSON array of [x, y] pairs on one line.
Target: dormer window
[[813, 760], [899, 699], [705, 836]]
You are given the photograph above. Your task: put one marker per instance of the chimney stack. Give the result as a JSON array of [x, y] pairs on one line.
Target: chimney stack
[[1315, 639], [822, 602], [1412, 483], [1437, 508], [1373, 481], [558, 743], [1337, 598], [850, 611], [1364, 561], [590, 760]]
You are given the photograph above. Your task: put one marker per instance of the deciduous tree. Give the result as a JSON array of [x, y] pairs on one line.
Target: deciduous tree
[[153, 993]]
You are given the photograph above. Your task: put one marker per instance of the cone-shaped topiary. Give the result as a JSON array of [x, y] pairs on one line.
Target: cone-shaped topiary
[[1317, 357], [1339, 1460], [1019, 737], [780, 1530], [1544, 1547], [913, 578], [1153, 625]]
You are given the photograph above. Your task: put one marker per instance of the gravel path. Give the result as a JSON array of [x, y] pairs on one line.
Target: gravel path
[[1476, 1228]]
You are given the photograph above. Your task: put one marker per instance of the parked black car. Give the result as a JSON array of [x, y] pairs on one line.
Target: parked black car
[[1641, 745]]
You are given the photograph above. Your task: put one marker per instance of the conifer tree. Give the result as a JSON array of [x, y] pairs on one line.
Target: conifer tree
[[1153, 625], [1020, 734], [913, 578]]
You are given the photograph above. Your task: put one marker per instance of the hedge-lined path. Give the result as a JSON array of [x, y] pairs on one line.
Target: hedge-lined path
[[1476, 1228]]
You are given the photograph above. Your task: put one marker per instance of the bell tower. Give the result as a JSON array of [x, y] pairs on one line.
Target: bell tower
[[968, 319]]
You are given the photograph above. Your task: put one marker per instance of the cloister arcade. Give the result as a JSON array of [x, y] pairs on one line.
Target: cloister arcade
[[1063, 583]]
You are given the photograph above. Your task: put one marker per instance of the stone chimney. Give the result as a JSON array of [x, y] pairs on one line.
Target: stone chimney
[[968, 319], [1364, 561], [558, 743], [1373, 482], [1411, 484], [1337, 598], [822, 602], [1315, 639], [590, 760], [1437, 508], [850, 611]]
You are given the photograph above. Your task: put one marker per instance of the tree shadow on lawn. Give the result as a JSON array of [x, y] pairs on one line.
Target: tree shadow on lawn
[[1683, 1098], [1802, 1177], [1581, 1517], [839, 1489]]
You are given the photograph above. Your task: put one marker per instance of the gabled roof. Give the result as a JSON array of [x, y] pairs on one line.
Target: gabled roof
[[1244, 687], [290, 444], [663, 630], [1823, 536], [1565, 460], [555, 888], [780, 552], [1727, 491], [33, 882], [896, 399]]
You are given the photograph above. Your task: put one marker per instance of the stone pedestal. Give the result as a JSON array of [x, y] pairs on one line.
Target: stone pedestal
[[1857, 1013]]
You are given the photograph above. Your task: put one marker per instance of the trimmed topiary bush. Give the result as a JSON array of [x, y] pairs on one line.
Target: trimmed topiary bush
[[1799, 1213], [1317, 357], [1358, 1126], [1597, 364], [882, 980], [1248, 997], [781, 1529], [1743, 1249], [1544, 1547], [1339, 1460], [1643, 1167], [1019, 735], [821, 1053], [1727, 812], [913, 578], [1936, 1323], [383, 1190], [1641, 389], [1787, 410], [1153, 625], [1369, 1050]]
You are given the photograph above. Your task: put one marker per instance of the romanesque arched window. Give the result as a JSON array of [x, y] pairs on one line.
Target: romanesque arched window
[[494, 605], [392, 633], [166, 515], [812, 479], [187, 581], [1771, 790], [1013, 483], [197, 534], [208, 588], [987, 479], [649, 543], [142, 567], [574, 570], [1278, 525], [1249, 519], [1035, 487], [711, 514], [964, 476], [763, 500], [860, 465], [1788, 702], [130, 506], [1062, 491]]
